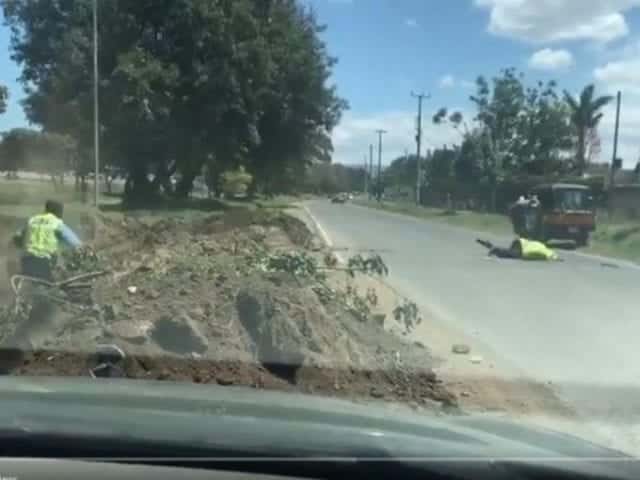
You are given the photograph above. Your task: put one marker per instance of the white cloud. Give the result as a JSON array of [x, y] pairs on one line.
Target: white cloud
[[411, 22], [549, 59], [450, 81], [351, 138], [621, 75], [545, 21], [629, 141], [447, 81]]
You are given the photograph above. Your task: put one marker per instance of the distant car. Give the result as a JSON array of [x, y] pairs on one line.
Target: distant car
[[340, 198]]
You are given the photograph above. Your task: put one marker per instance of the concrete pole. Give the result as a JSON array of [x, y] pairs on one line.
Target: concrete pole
[[96, 113]]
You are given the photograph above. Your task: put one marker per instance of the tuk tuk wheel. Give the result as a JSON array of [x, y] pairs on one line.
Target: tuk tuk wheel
[[582, 240]]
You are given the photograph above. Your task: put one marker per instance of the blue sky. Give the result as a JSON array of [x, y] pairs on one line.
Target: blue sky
[[386, 48]]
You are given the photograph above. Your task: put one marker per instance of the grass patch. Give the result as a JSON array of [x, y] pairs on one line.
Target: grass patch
[[617, 240], [25, 192], [20, 199]]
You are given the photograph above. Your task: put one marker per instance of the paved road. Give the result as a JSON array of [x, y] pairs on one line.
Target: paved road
[[574, 323]]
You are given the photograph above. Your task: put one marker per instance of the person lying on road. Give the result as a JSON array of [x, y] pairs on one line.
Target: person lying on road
[[521, 248]]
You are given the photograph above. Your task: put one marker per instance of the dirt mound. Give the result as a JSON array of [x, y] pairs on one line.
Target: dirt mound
[[185, 302]]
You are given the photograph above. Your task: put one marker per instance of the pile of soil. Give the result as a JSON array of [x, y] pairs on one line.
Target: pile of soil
[[184, 303]]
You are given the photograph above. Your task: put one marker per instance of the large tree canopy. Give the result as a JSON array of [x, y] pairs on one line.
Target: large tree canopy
[[183, 83]]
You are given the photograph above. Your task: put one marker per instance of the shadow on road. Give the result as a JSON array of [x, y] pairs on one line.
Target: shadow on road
[[568, 245]]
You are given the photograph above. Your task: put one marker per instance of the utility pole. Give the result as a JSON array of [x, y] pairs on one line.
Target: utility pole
[[420, 97], [380, 132], [370, 170], [615, 141], [96, 115], [366, 187]]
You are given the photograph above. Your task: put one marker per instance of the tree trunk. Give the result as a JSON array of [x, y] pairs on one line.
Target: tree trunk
[[580, 160], [138, 189], [184, 188], [84, 188]]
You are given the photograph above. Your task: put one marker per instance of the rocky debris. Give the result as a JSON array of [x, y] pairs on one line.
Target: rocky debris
[[110, 312], [186, 305], [179, 335], [291, 332], [376, 393], [133, 332], [460, 349]]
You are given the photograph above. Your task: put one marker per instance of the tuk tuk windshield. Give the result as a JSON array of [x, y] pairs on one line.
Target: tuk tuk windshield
[[572, 199]]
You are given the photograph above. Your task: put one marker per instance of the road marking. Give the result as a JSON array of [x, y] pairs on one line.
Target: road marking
[[323, 233]]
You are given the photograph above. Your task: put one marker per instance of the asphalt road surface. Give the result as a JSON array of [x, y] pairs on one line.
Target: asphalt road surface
[[574, 323]]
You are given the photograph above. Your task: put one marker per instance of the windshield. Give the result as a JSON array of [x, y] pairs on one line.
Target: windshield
[[328, 197], [572, 199]]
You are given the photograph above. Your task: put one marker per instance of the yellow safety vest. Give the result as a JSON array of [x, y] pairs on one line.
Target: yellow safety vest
[[41, 239], [532, 250]]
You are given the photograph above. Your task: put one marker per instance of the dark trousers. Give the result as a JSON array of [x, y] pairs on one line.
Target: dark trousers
[[42, 308], [37, 267]]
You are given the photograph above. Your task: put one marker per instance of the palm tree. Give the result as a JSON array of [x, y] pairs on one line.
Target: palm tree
[[585, 116]]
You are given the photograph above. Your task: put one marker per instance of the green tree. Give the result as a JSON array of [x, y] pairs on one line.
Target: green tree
[[585, 116], [184, 84], [236, 182], [4, 96], [333, 178], [402, 171], [440, 165], [544, 131], [17, 149]]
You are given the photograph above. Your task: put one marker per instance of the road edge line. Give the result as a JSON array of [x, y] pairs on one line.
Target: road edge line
[[326, 239]]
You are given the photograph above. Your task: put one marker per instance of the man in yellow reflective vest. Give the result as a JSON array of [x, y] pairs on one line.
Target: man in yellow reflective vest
[[523, 249], [41, 239]]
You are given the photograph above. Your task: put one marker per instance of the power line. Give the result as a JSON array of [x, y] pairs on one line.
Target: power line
[[366, 186], [420, 97], [614, 161], [380, 132], [370, 169], [96, 115]]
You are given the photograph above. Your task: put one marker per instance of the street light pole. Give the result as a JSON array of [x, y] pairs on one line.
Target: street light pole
[[366, 183], [420, 97], [370, 169], [615, 142], [96, 114], [380, 132]]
